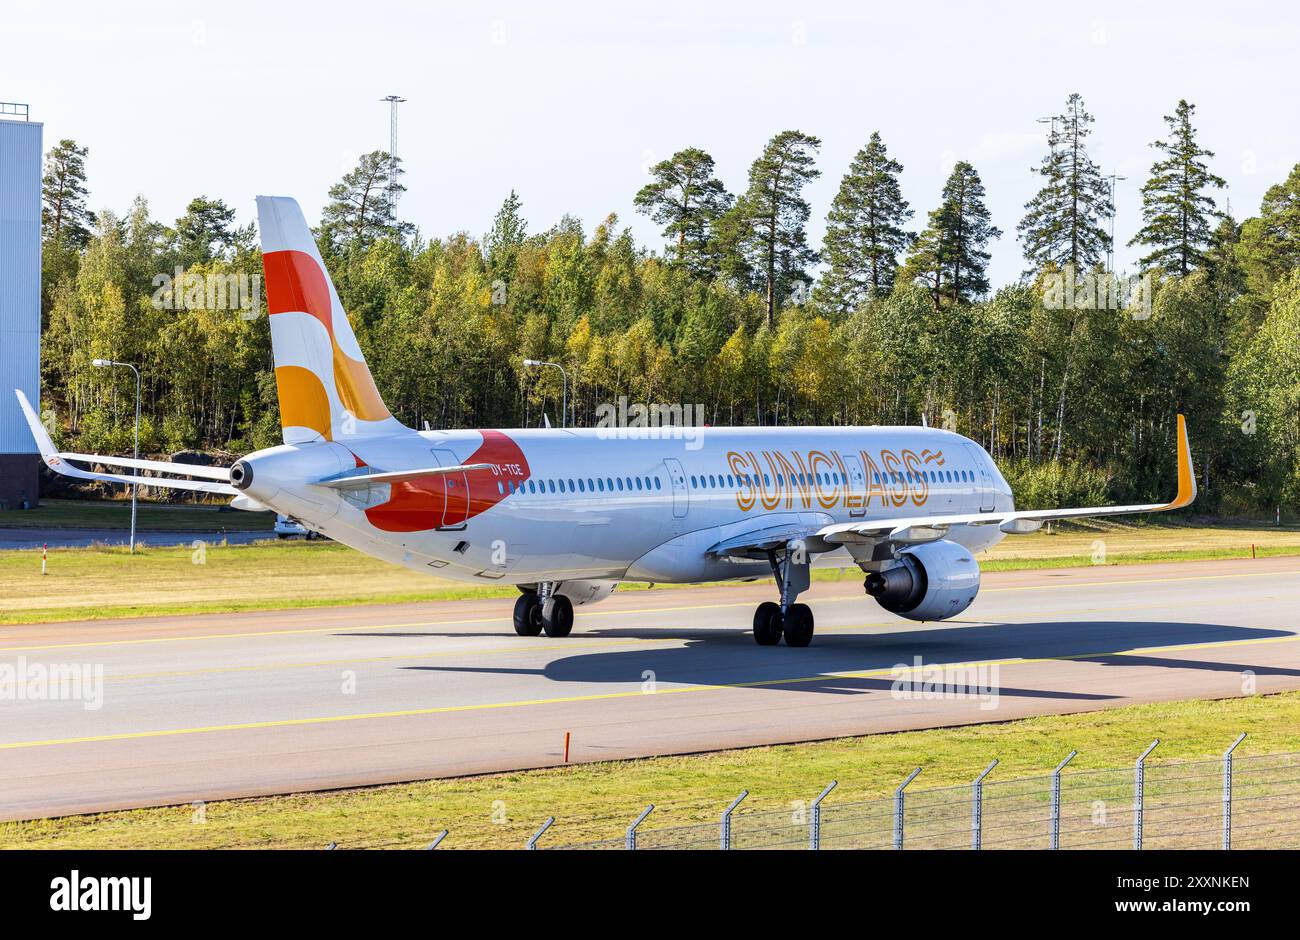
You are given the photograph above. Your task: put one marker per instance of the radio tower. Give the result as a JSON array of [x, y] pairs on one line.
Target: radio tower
[[393, 102], [1110, 252]]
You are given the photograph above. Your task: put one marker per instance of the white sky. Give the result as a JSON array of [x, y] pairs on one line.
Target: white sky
[[570, 103]]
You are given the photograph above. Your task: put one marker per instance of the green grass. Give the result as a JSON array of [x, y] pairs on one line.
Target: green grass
[[592, 801], [150, 517], [107, 582]]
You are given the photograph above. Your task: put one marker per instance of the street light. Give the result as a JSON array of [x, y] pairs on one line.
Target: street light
[[108, 364], [564, 401]]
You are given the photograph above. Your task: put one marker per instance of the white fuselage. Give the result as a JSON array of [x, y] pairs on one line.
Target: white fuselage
[[638, 504]]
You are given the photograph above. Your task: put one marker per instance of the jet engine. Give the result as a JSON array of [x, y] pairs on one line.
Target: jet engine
[[933, 581]]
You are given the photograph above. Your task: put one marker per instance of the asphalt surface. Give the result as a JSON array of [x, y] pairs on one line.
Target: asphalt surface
[[208, 707]]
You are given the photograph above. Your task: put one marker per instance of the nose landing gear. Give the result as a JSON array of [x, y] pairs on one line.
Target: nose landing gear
[[787, 619]]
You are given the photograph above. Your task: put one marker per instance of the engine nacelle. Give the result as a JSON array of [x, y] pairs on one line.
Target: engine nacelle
[[933, 581]]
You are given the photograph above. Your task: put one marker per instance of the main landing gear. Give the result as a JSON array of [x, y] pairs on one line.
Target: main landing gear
[[787, 619], [543, 609]]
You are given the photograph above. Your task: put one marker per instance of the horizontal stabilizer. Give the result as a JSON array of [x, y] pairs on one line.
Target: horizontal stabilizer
[[397, 476], [216, 480]]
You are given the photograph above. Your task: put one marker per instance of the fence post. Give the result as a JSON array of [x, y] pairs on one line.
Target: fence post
[[726, 819], [815, 826], [898, 808], [437, 839], [631, 830], [977, 808], [1139, 794], [1227, 791], [1055, 839], [532, 842]]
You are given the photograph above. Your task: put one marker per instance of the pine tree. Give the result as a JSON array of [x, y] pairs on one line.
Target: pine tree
[[64, 215], [769, 219], [1176, 212], [362, 205], [206, 224], [1064, 223], [864, 229], [1270, 243], [949, 256], [687, 199]]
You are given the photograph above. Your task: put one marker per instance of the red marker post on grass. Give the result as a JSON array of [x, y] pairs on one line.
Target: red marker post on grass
[[45, 548], [566, 747]]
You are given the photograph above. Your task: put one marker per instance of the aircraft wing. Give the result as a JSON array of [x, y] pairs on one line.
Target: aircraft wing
[[756, 543], [214, 479], [915, 530]]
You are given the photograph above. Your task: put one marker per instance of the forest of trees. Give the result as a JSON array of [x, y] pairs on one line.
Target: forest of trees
[[887, 320]]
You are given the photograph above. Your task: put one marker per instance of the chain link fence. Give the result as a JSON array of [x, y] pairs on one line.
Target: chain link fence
[[1229, 802]]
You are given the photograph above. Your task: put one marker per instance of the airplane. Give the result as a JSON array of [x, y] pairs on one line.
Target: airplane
[[565, 514]]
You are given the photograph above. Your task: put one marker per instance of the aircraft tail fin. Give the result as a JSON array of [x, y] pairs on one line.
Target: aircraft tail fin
[[325, 387]]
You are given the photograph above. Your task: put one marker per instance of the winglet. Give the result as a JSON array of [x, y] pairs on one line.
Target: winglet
[[43, 442], [1186, 475]]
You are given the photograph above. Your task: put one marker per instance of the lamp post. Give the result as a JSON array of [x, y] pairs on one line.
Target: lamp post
[[564, 401], [108, 364]]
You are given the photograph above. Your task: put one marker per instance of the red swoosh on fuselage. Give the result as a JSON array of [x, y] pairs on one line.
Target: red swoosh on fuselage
[[430, 502]]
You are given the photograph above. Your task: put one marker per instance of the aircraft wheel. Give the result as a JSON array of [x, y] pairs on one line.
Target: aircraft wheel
[[767, 624], [798, 625], [557, 616], [528, 615]]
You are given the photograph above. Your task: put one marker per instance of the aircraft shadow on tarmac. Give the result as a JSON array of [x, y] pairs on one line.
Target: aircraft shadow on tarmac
[[727, 657]]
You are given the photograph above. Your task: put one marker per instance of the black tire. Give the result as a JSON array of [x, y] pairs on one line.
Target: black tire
[[767, 624], [798, 627], [528, 615], [557, 616]]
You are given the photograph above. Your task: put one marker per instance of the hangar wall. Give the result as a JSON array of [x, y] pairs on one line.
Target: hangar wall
[[20, 301]]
